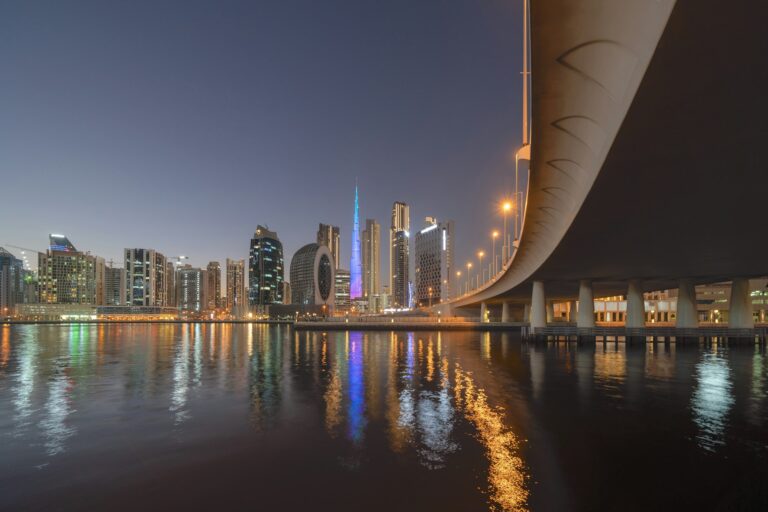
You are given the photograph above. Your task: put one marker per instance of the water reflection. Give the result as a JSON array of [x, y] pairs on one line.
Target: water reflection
[[448, 410], [712, 399]]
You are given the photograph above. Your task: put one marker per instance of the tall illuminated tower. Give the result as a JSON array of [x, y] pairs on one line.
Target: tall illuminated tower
[[355, 269]]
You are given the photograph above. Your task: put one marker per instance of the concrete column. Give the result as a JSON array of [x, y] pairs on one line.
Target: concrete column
[[740, 312], [686, 305], [483, 312], [586, 316], [505, 312], [538, 306], [635, 305], [572, 311], [550, 311]]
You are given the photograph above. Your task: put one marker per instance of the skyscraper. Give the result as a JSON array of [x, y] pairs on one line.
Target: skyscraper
[[189, 285], [214, 285], [114, 286], [399, 238], [265, 268], [66, 275], [371, 259], [145, 277], [355, 268], [235, 284], [341, 293], [312, 276], [434, 262], [11, 281], [330, 237]]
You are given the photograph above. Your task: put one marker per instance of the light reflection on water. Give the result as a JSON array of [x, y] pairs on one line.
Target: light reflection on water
[[481, 410]]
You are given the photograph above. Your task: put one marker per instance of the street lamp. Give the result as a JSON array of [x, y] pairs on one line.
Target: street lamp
[[458, 275], [430, 296], [494, 236], [480, 255], [506, 207], [469, 267]]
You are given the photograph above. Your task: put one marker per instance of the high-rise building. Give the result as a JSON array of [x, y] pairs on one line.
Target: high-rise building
[[330, 236], [355, 265], [100, 270], [371, 259], [399, 239], [434, 262], [114, 286], [66, 275], [213, 276], [341, 290], [286, 292], [145, 277], [265, 268], [11, 282], [312, 276], [170, 284], [190, 282], [235, 285]]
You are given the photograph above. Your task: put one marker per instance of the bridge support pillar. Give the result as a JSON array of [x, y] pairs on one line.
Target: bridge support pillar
[[527, 313], [483, 312], [635, 305], [686, 305], [550, 311], [505, 311], [538, 307], [740, 311], [572, 311], [586, 316]]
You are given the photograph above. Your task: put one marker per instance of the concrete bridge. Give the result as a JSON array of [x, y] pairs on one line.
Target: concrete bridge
[[649, 159]]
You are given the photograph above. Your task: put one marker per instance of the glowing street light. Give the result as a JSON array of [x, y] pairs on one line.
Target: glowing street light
[[494, 236], [469, 267], [480, 255], [506, 207]]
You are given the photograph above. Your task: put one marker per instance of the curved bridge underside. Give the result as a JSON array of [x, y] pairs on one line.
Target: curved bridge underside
[[650, 147]]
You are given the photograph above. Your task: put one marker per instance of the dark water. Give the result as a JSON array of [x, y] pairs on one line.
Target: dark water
[[216, 417]]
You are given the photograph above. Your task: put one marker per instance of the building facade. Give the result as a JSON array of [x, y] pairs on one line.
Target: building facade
[[265, 268], [114, 286], [312, 277], [342, 300], [66, 275], [235, 299], [371, 259], [330, 236], [433, 252], [399, 256], [213, 290], [11, 282], [145, 277], [190, 283]]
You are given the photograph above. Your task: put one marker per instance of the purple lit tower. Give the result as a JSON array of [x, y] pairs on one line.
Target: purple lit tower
[[355, 269]]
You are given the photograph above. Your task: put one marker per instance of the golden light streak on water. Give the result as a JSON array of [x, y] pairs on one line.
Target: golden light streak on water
[[506, 472]]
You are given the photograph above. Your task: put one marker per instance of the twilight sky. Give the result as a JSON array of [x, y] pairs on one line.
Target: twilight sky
[[181, 125]]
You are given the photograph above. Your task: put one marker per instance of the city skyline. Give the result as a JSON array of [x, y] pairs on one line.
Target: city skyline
[[216, 135]]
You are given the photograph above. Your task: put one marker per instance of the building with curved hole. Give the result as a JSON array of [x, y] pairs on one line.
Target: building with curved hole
[[312, 276]]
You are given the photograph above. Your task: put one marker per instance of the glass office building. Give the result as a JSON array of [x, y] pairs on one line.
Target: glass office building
[[265, 268]]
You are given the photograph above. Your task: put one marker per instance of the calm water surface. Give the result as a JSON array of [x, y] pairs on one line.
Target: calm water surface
[[131, 417]]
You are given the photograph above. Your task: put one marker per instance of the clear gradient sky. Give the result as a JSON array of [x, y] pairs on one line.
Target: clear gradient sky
[[181, 125]]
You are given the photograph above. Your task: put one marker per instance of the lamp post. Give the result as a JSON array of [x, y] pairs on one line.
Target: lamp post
[[430, 297], [458, 282], [469, 267], [480, 255], [506, 207], [494, 236]]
